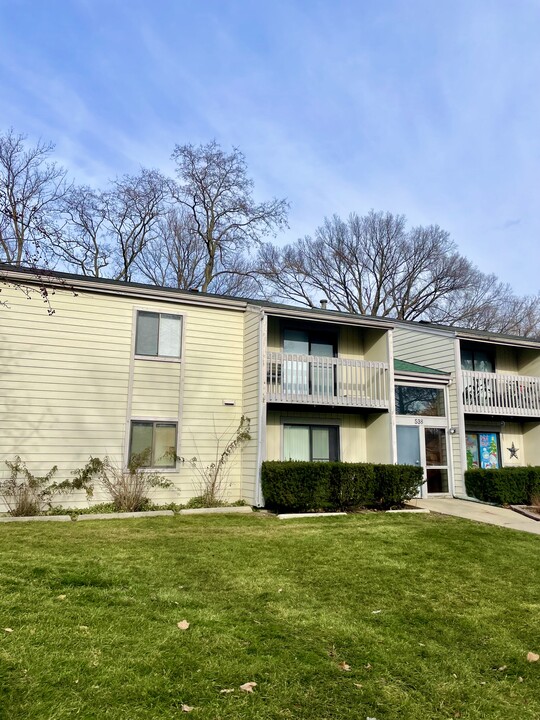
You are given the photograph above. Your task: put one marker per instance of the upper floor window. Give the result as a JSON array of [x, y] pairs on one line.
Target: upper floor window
[[477, 360], [158, 334], [412, 400]]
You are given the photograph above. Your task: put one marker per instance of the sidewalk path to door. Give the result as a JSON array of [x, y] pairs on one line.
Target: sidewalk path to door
[[480, 513]]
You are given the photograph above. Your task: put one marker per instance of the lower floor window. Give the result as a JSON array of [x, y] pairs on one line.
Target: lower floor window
[[483, 450], [311, 442], [153, 444]]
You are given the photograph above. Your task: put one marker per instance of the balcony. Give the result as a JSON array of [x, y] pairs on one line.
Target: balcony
[[498, 394], [313, 380]]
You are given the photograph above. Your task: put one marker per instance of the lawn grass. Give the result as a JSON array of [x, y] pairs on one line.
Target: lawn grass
[[426, 611]]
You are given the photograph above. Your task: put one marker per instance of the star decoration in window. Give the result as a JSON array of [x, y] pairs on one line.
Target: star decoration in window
[[513, 451]]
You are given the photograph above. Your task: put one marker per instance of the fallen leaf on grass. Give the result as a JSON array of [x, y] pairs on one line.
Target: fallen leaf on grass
[[533, 657], [368, 666], [8, 630], [344, 666], [503, 667], [61, 597], [375, 612], [227, 690], [358, 685], [182, 625], [187, 708], [248, 687]]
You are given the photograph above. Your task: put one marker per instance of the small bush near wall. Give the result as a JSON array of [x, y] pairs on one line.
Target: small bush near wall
[[505, 486], [312, 486]]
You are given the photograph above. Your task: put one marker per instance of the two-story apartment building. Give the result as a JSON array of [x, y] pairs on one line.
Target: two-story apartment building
[[493, 394], [121, 368]]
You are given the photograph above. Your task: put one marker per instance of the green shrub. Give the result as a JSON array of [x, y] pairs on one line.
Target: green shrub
[[316, 486], [504, 486], [394, 484], [24, 493]]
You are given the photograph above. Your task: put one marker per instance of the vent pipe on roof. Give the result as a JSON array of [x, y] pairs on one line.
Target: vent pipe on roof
[[323, 302]]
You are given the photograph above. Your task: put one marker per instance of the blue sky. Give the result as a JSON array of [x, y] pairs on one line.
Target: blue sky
[[429, 108]]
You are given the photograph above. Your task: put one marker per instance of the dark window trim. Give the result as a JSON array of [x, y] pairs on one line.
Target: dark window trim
[[483, 432], [473, 348], [314, 334], [311, 426]]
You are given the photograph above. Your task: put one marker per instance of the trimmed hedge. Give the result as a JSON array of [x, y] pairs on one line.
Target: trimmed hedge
[[504, 486], [311, 486]]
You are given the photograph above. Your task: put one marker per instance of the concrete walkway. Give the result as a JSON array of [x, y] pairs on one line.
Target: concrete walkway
[[480, 513]]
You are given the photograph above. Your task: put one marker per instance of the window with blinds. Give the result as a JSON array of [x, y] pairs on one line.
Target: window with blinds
[[158, 335]]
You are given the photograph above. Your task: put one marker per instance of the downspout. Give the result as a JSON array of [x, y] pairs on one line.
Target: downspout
[[261, 445], [461, 416]]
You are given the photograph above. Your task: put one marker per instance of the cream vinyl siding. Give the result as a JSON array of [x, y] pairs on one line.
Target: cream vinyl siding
[[253, 320], [437, 351], [212, 373], [63, 381], [69, 384], [156, 389]]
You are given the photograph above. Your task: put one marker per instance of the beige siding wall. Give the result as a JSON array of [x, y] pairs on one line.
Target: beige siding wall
[[531, 444], [351, 343], [506, 359], [436, 351], [378, 438], [156, 389], [251, 401], [352, 432], [69, 382], [529, 362]]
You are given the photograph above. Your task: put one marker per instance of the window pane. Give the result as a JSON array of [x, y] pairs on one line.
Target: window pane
[[467, 360], [296, 442], [296, 341], [435, 446], [320, 438], [482, 361], [141, 442], [147, 334], [419, 401], [437, 481], [489, 450], [165, 445], [473, 458], [169, 335]]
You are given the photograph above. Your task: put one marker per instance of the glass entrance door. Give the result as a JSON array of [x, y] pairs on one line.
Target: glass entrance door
[[408, 445], [427, 447]]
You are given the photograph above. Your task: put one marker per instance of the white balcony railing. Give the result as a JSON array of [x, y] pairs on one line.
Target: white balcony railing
[[292, 378], [497, 394]]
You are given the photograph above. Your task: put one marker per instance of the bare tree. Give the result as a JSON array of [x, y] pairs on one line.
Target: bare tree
[[374, 265], [176, 257], [132, 208], [214, 189], [83, 244], [31, 189], [106, 231]]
